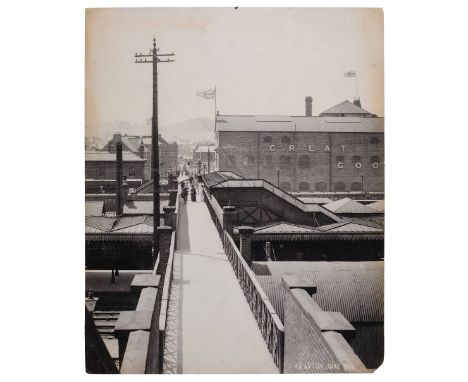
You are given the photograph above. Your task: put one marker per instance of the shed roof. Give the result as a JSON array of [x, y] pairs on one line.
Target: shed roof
[[138, 207], [356, 289], [125, 224], [348, 206]]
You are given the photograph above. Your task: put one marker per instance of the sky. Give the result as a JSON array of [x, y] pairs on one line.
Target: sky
[[261, 60]]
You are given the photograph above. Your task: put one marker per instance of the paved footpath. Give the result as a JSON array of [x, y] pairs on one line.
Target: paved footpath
[[210, 326]]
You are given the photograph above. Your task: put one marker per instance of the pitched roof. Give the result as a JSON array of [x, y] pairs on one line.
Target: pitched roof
[[216, 177], [348, 206], [125, 224], [284, 227], [104, 156], [379, 205], [345, 107], [350, 227], [138, 207], [356, 289], [299, 124], [205, 148]]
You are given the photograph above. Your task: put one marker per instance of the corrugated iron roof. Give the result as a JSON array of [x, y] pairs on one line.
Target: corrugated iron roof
[[94, 207], [301, 123], [104, 156], [345, 107], [348, 206], [356, 289]]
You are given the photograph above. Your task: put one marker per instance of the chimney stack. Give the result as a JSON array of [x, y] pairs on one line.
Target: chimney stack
[[357, 101], [141, 149], [119, 177], [308, 106]]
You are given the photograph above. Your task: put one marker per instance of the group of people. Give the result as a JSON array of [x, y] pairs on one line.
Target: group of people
[[188, 187]]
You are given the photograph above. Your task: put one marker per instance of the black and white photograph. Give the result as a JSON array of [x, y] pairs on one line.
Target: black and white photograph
[[234, 179]]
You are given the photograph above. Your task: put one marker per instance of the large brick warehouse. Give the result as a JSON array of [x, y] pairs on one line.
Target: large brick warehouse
[[342, 149]]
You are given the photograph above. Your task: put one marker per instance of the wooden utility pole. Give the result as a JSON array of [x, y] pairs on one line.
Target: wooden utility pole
[[141, 59]]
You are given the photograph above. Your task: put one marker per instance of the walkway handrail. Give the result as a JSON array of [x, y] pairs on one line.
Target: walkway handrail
[[267, 319]]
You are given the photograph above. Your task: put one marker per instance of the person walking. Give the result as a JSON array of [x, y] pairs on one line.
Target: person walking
[[193, 194], [184, 192]]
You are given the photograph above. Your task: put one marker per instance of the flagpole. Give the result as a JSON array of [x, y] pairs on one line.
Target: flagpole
[[356, 85]]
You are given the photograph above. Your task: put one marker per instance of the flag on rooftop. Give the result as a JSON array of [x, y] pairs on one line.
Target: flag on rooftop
[[207, 94], [350, 74]]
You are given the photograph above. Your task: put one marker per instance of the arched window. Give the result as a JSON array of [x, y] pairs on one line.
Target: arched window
[[268, 160], [286, 140], [356, 186], [340, 186], [267, 139], [285, 161], [321, 186], [249, 160], [286, 186], [374, 141], [304, 186], [375, 159], [231, 161], [304, 161], [340, 158], [356, 159]]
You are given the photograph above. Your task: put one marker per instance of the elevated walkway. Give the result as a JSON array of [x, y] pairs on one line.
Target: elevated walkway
[[210, 328]]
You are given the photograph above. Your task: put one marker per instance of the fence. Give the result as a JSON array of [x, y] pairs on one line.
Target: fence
[[268, 321]]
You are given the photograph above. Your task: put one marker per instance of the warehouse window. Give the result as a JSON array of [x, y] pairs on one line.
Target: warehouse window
[[286, 140], [356, 186], [131, 171], [304, 161], [267, 139], [286, 186], [101, 171], [249, 160], [268, 160], [374, 140], [321, 186], [375, 159], [285, 161], [231, 161], [340, 186], [304, 186], [340, 158], [356, 159]]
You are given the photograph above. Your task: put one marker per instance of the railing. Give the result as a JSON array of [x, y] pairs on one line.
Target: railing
[[268, 321]]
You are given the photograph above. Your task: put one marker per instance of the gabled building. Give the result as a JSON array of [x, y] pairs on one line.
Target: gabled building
[[141, 146]]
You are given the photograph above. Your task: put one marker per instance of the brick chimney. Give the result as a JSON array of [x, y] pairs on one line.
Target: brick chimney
[[141, 149], [119, 177], [308, 106]]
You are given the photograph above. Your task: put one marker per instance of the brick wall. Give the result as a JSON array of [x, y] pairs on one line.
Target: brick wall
[[305, 349], [107, 170], [251, 152]]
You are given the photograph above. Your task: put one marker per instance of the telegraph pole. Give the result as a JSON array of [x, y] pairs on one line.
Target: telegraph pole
[[141, 59]]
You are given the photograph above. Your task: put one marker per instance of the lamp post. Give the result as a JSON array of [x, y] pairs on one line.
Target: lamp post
[[277, 176]]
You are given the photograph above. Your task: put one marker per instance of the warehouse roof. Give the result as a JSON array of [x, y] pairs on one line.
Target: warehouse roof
[[348, 206], [300, 124], [104, 156], [125, 224], [205, 148], [356, 289], [94, 207]]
